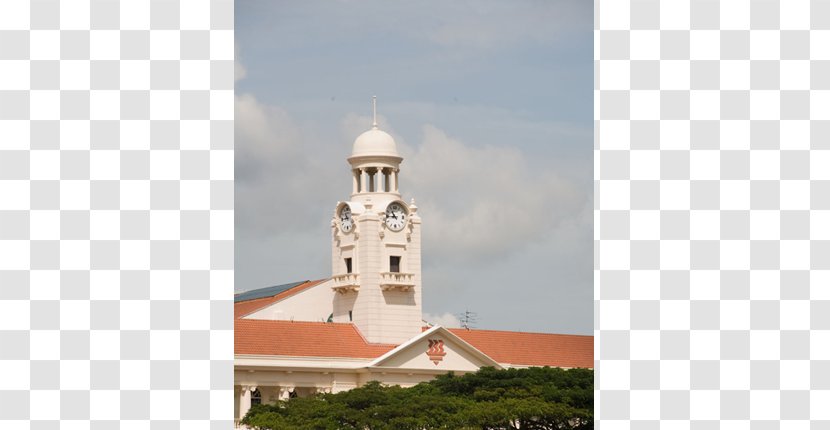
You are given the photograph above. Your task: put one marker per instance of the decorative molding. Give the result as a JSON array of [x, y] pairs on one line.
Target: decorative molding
[[435, 352], [400, 281], [346, 282]]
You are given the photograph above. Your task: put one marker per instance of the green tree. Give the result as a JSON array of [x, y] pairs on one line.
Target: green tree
[[527, 399]]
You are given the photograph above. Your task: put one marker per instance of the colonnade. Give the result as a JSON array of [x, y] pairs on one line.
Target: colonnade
[[375, 179], [283, 393]]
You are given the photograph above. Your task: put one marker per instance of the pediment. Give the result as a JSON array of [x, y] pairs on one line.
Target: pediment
[[435, 349]]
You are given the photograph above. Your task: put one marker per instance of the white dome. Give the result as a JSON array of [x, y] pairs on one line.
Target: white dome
[[374, 142]]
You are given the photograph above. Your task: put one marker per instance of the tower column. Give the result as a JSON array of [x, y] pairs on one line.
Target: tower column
[[379, 174], [379, 179], [362, 173], [393, 175], [355, 181]]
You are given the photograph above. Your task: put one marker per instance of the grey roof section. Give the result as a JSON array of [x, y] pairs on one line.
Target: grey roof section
[[265, 292]]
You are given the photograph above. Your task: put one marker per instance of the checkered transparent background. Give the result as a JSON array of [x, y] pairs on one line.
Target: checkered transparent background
[[116, 214], [713, 214]]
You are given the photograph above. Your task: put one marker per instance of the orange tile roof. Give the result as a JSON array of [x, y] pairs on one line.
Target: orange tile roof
[[240, 309], [303, 339], [531, 349]]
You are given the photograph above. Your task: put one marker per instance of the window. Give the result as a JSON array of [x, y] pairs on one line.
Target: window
[[350, 315], [394, 263], [256, 397], [348, 265]]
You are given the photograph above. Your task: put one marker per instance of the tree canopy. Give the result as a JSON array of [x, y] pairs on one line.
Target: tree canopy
[[537, 398]]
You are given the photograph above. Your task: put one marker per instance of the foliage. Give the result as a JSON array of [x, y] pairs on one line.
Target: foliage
[[538, 398]]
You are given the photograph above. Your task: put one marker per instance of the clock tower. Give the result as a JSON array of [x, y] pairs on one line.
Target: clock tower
[[376, 246]]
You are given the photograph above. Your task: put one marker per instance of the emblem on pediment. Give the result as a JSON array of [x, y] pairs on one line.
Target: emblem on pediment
[[435, 352]]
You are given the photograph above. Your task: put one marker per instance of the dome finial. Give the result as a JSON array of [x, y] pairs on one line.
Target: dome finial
[[374, 142], [374, 111]]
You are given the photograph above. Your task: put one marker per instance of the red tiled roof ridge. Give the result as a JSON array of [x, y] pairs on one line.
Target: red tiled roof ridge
[[534, 349], [519, 332]]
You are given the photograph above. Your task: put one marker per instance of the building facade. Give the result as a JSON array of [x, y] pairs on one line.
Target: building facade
[[365, 322]]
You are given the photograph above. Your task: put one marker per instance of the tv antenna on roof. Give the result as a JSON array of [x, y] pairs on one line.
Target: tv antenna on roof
[[468, 319]]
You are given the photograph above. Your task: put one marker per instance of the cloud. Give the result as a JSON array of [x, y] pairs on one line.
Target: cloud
[[265, 135], [484, 202], [239, 70], [279, 184], [446, 319]]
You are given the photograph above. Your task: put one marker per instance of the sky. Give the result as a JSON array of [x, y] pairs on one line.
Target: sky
[[491, 106]]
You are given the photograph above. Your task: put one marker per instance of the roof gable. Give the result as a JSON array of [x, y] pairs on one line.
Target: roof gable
[[435, 349]]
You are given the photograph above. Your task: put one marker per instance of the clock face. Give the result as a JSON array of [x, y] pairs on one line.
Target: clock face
[[346, 223], [395, 216]]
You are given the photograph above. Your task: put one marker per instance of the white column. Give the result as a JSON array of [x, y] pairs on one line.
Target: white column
[[363, 180], [285, 392], [355, 179], [245, 401], [379, 174], [394, 179]]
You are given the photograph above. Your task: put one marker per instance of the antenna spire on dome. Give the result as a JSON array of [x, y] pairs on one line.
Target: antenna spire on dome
[[374, 111]]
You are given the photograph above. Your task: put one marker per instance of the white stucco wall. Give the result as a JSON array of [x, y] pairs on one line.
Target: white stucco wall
[[381, 316], [311, 304]]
